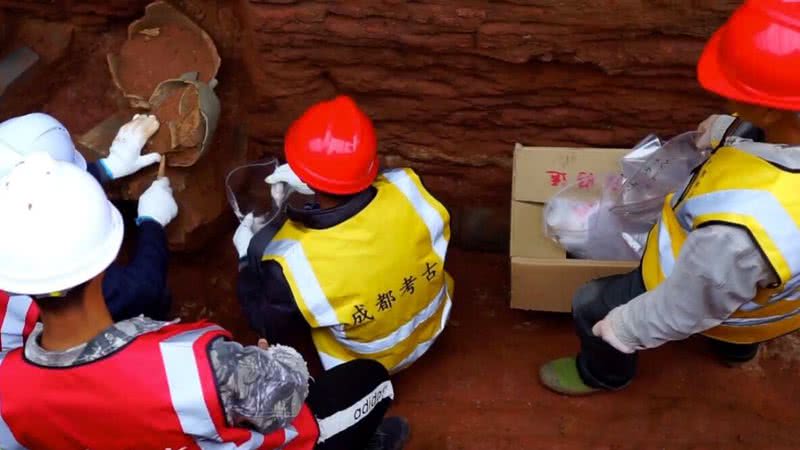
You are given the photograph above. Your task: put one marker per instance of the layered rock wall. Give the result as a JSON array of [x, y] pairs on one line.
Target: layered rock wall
[[451, 85]]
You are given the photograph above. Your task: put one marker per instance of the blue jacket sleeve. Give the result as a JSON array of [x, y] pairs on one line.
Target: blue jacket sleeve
[[140, 287], [268, 303], [98, 172]]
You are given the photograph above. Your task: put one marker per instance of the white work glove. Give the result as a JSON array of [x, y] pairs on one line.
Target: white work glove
[[282, 177], [604, 330], [157, 203], [247, 229], [125, 156]]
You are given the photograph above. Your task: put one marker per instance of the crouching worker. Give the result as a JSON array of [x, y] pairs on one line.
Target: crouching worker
[[82, 381], [130, 290], [724, 258], [363, 268]]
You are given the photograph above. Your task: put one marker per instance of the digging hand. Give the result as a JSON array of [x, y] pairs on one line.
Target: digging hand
[[157, 203], [125, 156]]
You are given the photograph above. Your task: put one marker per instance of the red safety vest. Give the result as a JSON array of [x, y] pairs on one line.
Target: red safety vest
[[158, 392], [18, 316]]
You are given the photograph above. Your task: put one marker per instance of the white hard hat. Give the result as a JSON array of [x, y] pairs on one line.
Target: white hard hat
[[35, 132], [58, 229]]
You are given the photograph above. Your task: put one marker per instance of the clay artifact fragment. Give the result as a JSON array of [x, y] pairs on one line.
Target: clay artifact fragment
[[168, 66], [162, 45], [188, 111]]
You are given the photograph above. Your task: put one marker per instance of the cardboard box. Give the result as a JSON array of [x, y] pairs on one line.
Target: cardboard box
[[542, 278]]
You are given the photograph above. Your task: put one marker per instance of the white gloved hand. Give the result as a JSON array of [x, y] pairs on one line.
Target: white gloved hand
[[282, 177], [243, 235], [604, 330], [125, 156], [157, 203]]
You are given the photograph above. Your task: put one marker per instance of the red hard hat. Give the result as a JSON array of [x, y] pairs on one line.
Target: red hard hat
[[332, 147], [755, 57]]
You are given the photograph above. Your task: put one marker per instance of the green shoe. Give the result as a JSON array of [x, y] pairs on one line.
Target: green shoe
[[561, 375]]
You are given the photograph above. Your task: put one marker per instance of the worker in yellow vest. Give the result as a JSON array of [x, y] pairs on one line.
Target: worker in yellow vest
[[363, 268], [724, 258]]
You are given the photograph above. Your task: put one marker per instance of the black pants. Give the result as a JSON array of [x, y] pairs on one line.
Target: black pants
[[349, 402], [601, 365]]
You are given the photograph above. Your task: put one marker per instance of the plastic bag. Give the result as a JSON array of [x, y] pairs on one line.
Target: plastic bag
[[662, 172], [578, 219], [641, 152], [567, 216], [611, 222]]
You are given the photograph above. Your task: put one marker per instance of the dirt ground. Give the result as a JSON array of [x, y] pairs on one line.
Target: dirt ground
[[477, 388]]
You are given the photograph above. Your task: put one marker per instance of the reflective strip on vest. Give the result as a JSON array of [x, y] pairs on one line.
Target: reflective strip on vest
[[310, 289], [778, 225], [14, 322], [400, 334], [423, 347], [761, 205], [7, 439], [665, 249], [751, 321], [329, 361], [429, 215], [289, 433], [186, 392]]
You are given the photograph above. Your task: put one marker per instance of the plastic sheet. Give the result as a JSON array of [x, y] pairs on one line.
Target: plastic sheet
[[247, 192]]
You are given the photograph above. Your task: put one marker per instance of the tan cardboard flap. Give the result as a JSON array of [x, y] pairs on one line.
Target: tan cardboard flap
[[527, 236], [548, 284], [540, 172]]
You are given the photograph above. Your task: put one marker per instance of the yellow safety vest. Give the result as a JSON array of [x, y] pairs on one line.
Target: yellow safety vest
[[737, 188], [373, 286]]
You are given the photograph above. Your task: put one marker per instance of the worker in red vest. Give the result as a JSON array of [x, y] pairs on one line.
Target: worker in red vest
[[82, 381], [724, 258], [136, 288], [363, 268]]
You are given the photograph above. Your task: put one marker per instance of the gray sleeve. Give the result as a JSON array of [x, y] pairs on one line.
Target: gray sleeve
[[718, 271], [259, 389], [719, 127]]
